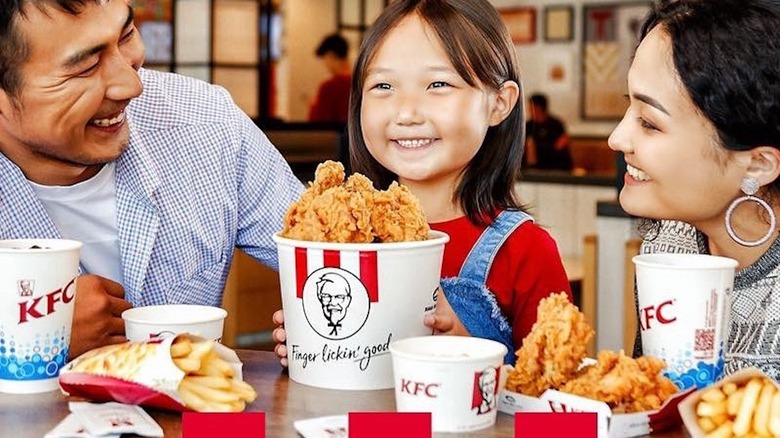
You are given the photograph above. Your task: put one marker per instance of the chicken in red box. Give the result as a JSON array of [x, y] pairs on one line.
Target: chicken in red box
[[180, 373], [631, 396]]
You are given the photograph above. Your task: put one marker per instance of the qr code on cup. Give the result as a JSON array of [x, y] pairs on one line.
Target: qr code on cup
[[704, 341]]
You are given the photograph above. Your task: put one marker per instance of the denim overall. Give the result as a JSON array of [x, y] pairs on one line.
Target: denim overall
[[472, 301]]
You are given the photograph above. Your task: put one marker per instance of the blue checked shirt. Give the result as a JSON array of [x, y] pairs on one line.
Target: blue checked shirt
[[198, 179]]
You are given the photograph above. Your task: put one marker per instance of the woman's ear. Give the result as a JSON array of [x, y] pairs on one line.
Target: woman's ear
[[505, 101], [764, 164]]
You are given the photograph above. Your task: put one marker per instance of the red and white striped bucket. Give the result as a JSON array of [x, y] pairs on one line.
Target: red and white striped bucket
[[345, 302]]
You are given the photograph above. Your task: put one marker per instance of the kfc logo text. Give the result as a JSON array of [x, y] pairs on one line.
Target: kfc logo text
[[661, 313], [430, 390], [44, 305]]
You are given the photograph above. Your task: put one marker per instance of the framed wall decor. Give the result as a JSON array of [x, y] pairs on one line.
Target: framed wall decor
[[521, 23], [610, 36], [558, 23]]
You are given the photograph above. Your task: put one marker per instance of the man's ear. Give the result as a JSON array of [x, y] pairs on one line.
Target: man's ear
[[7, 106], [505, 101], [764, 164]]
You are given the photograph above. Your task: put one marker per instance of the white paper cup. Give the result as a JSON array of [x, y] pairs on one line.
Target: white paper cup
[[683, 313], [455, 378], [344, 303], [164, 320], [37, 291]]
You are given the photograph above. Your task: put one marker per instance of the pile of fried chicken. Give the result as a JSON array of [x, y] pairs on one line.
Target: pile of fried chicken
[[552, 358], [332, 210]]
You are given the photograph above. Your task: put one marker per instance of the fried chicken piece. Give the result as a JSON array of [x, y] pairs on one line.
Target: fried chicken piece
[[624, 383], [552, 352], [397, 216], [331, 210]]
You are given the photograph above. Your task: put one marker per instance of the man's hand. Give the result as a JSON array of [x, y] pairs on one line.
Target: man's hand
[[280, 336], [97, 316], [444, 321]]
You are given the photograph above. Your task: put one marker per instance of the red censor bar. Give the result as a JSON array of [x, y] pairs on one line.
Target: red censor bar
[[214, 424], [556, 424], [390, 425]]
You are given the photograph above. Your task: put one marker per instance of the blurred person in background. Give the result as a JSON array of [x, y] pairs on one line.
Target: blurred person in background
[[548, 146], [332, 100]]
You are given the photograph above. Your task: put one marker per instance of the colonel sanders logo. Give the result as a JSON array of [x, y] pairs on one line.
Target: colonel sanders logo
[[485, 390], [335, 303], [26, 287]]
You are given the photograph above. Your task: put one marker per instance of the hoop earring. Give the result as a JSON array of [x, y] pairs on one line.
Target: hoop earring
[[750, 187]]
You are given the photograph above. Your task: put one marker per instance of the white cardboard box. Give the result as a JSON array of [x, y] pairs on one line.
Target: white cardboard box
[[610, 425]]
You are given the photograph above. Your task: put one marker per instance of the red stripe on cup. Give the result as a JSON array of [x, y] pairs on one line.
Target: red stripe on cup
[[369, 274], [301, 270], [555, 424], [390, 425], [331, 258], [234, 425]]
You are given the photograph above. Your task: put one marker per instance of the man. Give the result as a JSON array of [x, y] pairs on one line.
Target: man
[[160, 186], [547, 143], [332, 100]]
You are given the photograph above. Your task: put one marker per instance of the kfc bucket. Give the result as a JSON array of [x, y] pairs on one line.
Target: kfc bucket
[[344, 303]]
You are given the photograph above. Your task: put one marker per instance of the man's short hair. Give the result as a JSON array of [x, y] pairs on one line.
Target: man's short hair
[[335, 44], [540, 100], [14, 50]]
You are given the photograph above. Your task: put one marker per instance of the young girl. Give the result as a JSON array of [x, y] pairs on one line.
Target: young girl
[[701, 139], [436, 105]]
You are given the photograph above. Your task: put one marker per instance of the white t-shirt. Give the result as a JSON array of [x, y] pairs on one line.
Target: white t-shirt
[[87, 212]]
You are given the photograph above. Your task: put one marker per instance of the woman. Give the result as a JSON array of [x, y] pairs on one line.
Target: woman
[[701, 140]]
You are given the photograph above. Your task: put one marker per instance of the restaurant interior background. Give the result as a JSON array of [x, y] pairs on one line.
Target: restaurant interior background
[[577, 52]]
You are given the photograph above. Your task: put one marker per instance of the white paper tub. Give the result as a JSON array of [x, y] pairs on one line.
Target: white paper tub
[[344, 303], [455, 378]]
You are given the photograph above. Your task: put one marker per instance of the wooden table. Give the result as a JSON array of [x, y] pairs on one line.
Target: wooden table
[[283, 401]]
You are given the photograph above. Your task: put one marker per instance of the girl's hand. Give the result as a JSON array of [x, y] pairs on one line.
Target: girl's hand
[[444, 321], [280, 336]]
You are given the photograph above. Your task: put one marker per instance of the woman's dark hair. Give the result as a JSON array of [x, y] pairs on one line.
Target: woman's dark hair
[[727, 55], [481, 51], [13, 49]]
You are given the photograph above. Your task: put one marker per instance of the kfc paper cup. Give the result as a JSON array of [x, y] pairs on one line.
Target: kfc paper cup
[[455, 378], [683, 313], [166, 320], [37, 289], [344, 303]]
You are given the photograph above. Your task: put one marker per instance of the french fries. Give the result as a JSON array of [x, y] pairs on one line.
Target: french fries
[[209, 383], [751, 409]]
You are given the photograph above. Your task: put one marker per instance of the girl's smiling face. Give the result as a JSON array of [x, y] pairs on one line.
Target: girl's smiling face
[[671, 149], [420, 119]]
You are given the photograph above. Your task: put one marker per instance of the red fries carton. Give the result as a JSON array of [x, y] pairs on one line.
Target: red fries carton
[[610, 425], [180, 373], [741, 404]]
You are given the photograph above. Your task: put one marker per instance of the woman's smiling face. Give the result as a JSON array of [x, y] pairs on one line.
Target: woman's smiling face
[[677, 168]]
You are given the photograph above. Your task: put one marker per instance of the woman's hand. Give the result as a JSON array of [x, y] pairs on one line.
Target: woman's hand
[[280, 336], [444, 321]]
